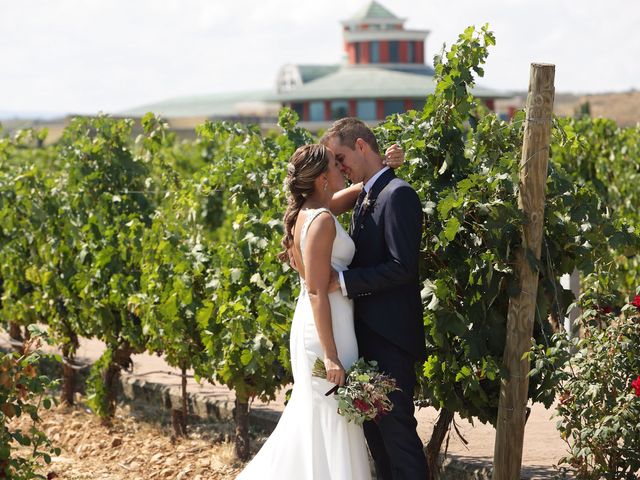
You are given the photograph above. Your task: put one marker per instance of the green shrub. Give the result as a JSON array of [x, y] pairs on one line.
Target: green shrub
[[23, 392], [599, 403]]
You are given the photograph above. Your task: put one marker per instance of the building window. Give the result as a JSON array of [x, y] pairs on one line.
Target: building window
[[375, 52], [416, 55], [339, 109], [411, 53], [418, 105], [299, 109], [316, 111], [366, 109], [393, 106], [394, 52], [357, 48]]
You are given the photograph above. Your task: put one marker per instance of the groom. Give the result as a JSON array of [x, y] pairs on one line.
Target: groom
[[383, 280]]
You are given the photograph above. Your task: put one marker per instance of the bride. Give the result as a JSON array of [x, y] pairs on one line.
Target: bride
[[311, 440]]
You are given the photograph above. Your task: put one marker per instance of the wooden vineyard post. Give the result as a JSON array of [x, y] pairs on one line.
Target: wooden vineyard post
[[507, 457]]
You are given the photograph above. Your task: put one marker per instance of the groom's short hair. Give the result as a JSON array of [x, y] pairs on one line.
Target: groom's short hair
[[348, 130]]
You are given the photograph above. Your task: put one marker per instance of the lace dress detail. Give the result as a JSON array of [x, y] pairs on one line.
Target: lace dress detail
[[312, 441]]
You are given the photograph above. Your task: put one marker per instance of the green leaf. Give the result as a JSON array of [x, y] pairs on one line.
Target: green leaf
[[246, 357], [451, 229]]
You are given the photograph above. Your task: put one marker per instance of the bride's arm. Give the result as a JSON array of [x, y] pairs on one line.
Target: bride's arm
[[317, 271], [344, 200]]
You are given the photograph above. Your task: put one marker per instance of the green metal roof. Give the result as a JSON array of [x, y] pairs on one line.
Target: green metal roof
[[347, 82], [370, 82], [313, 72], [374, 10], [202, 105]]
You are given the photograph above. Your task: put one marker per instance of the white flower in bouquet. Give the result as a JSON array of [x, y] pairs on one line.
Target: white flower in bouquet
[[365, 395]]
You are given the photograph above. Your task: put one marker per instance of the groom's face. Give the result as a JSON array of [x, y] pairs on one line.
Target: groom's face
[[350, 161]]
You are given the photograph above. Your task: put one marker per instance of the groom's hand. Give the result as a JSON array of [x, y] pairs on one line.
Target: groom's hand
[[334, 282], [394, 156]]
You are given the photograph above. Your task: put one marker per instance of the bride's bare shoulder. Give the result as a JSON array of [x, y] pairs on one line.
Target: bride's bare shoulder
[[322, 228]]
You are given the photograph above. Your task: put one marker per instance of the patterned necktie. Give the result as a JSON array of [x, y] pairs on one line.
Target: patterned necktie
[[356, 209]]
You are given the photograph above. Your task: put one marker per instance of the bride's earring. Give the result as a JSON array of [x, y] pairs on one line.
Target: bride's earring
[[326, 183]]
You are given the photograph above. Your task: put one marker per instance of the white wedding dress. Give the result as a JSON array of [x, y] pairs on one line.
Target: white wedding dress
[[312, 441]]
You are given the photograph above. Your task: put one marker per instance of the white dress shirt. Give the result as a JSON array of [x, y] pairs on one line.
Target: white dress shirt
[[366, 187]]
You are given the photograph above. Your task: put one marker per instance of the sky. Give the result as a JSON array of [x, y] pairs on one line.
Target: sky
[[85, 56]]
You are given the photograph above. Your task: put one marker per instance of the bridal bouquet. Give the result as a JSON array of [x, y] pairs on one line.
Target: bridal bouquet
[[365, 393]]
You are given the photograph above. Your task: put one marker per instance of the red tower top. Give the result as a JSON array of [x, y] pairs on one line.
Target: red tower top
[[376, 36]]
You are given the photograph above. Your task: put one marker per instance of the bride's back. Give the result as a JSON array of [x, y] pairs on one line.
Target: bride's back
[[343, 247]]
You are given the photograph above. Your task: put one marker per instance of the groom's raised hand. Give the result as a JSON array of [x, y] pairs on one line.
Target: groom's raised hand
[[393, 156]]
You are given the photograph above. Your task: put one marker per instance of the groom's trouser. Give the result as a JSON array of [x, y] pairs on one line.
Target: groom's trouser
[[394, 443]]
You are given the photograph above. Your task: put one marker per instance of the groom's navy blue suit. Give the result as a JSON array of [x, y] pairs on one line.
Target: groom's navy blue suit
[[383, 281]]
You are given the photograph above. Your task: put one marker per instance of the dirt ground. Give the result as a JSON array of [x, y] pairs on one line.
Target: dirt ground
[[139, 445], [132, 448], [543, 446]]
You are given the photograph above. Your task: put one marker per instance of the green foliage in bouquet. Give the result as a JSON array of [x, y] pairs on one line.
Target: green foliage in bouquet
[[365, 394]]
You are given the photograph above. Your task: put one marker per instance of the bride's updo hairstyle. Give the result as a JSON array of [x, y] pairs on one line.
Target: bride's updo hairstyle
[[305, 165]]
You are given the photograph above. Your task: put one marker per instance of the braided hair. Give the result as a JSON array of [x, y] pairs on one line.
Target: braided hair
[[305, 165]]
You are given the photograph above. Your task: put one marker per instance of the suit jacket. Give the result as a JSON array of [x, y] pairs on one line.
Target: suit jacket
[[383, 276]]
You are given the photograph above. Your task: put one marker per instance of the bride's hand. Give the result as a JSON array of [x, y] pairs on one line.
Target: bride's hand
[[394, 156], [335, 371]]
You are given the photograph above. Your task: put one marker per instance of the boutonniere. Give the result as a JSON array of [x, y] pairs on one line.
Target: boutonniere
[[367, 203]]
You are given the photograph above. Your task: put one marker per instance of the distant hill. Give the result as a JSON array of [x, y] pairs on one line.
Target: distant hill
[[622, 107]]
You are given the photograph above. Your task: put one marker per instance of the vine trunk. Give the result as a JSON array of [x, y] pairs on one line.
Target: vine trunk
[[440, 430], [241, 415]]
